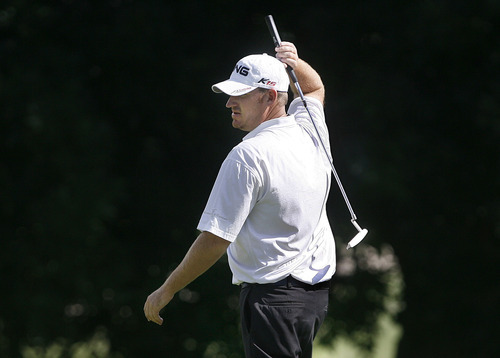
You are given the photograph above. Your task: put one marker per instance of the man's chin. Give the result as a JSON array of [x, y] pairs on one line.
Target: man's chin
[[235, 124]]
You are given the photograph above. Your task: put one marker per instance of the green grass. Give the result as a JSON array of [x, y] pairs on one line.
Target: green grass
[[386, 343]]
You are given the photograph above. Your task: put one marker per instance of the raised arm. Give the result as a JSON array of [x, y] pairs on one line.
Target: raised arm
[[309, 80]]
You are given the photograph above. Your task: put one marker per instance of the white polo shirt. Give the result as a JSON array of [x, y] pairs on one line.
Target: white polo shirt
[[269, 201]]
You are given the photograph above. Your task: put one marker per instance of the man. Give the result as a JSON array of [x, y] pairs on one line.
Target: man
[[267, 210]]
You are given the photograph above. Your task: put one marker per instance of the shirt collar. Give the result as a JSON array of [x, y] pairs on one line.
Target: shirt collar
[[275, 122]]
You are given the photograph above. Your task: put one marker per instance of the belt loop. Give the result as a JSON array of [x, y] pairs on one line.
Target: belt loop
[[289, 281]]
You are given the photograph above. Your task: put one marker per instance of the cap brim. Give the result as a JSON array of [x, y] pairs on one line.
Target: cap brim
[[232, 88]]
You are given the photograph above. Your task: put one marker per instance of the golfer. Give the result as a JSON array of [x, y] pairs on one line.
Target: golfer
[[267, 210]]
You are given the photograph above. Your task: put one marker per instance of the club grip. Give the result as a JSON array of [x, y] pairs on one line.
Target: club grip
[[273, 30]]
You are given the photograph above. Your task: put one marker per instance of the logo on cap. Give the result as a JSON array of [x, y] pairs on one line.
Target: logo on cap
[[265, 81], [242, 70]]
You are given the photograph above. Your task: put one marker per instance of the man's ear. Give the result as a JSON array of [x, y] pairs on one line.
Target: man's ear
[[272, 95]]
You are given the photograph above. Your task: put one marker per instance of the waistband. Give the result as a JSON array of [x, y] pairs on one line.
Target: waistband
[[289, 282]]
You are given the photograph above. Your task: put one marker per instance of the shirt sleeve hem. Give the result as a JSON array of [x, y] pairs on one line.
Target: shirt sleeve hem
[[217, 231]]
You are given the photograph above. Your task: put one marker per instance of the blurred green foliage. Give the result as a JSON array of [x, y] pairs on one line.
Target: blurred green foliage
[[111, 139]]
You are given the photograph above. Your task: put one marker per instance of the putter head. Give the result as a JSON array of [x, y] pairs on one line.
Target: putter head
[[357, 239]]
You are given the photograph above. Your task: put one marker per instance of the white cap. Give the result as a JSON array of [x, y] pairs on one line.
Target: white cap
[[254, 71]]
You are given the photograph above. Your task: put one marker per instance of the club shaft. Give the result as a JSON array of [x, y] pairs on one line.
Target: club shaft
[[334, 171], [277, 41]]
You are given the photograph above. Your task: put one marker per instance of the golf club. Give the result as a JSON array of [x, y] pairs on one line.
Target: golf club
[[361, 232]]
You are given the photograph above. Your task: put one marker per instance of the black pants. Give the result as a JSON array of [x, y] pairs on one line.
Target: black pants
[[280, 320]]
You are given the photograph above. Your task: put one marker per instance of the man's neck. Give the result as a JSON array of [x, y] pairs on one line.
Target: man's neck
[[275, 112]]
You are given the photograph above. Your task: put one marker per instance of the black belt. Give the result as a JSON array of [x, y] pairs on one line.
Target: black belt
[[289, 281]]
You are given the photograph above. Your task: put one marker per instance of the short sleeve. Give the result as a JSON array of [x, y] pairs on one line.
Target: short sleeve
[[233, 196]]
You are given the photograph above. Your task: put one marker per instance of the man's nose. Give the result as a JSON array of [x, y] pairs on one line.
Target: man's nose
[[229, 102]]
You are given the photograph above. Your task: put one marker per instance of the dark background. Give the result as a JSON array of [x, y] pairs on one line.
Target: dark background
[[111, 139]]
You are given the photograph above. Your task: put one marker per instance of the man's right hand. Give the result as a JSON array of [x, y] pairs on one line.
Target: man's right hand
[[287, 53], [155, 303]]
